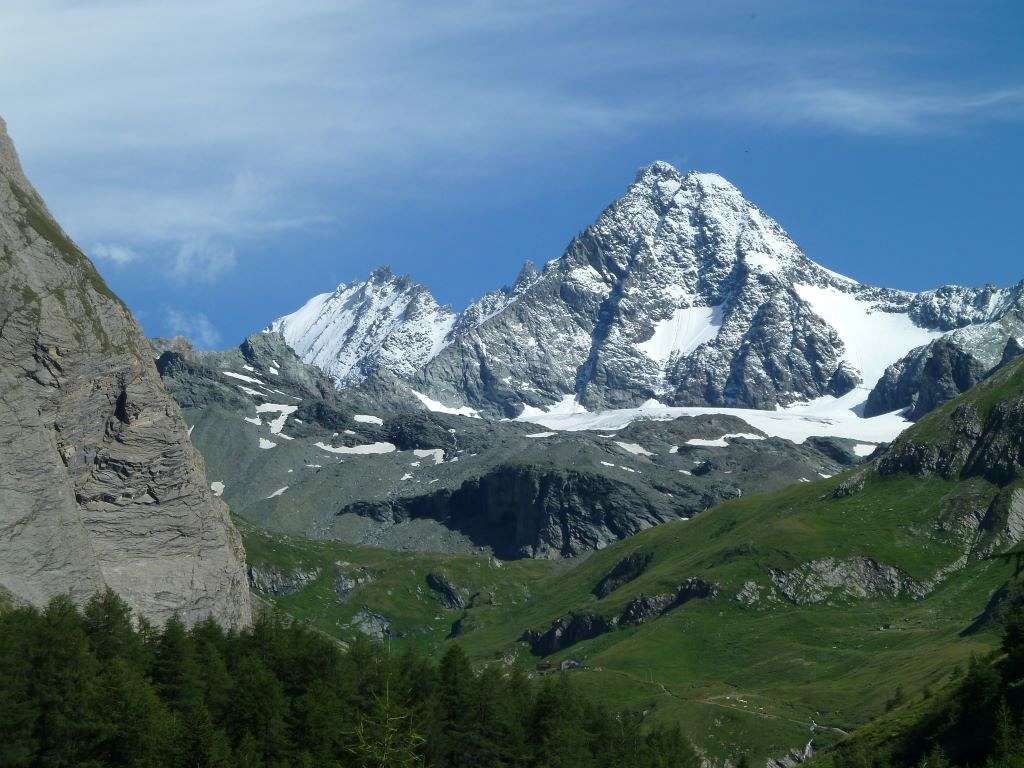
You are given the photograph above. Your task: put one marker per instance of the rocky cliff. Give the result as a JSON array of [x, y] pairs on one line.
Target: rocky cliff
[[99, 483]]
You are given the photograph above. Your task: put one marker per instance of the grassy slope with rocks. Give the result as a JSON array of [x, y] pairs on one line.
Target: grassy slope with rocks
[[763, 673]]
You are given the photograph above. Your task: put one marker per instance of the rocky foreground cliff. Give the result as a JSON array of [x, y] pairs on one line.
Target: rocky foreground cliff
[[99, 482]]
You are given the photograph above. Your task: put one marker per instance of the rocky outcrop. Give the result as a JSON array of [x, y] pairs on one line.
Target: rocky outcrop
[[99, 483], [647, 607], [943, 451], [981, 436], [374, 625], [567, 631], [347, 579], [856, 578], [447, 592], [279, 582], [524, 511], [577, 627], [925, 379], [984, 330], [792, 758], [623, 572]]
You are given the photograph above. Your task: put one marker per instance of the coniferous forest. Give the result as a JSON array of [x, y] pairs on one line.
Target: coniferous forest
[[93, 687]]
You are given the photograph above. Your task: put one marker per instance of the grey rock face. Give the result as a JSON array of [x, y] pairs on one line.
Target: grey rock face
[[623, 572], [648, 607], [272, 580], [375, 626], [99, 483], [857, 578], [448, 593], [792, 758], [969, 443], [567, 631], [347, 580], [933, 374], [925, 379], [576, 627]]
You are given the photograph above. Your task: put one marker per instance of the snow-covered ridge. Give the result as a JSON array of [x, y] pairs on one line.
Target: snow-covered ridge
[[385, 322]]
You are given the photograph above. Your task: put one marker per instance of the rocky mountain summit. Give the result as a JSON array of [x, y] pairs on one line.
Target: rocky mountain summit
[[99, 483], [682, 291]]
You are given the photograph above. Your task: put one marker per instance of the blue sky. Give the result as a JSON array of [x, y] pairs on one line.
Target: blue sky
[[223, 160]]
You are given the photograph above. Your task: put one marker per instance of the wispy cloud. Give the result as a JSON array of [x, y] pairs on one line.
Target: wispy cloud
[[195, 326], [112, 253], [202, 261], [879, 110]]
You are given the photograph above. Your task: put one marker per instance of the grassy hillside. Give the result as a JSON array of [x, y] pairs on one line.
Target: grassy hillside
[[796, 645]]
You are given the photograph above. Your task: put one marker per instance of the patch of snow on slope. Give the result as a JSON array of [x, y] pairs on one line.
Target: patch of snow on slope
[[254, 420], [283, 411], [217, 487], [542, 434], [436, 407], [278, 492], [243, 377], [826, 417], [874, 339], [369, 448], [863, 449], [762, 262], [634, 448], [687, 329], [364, 419], [723, 441], [437, 454], [567, 406], [267, 444]]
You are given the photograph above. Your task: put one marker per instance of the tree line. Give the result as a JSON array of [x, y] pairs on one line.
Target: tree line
[[94, 687]]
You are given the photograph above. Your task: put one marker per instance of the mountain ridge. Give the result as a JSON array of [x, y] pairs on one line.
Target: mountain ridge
[[681, 291]]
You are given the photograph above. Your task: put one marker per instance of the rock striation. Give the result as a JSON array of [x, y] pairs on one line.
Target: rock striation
[[100, 485]]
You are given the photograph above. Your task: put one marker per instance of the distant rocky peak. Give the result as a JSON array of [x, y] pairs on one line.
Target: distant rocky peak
[[385, 323], [528, 275]]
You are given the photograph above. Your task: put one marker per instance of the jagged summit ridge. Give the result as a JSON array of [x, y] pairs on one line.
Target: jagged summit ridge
[[682, 291]]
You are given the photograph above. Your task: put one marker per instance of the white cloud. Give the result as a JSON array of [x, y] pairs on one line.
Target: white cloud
[[202, 261], [119, 255], [195, 326]]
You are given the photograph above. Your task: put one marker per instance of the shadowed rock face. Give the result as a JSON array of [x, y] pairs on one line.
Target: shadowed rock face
[[99, 483]]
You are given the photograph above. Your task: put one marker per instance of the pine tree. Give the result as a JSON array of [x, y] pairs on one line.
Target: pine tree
[[65, 682], [384, 736], [108, 624], [19, 708]]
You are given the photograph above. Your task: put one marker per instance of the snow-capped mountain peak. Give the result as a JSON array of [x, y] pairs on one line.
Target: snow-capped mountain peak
[[386, 322], [682, 291]]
